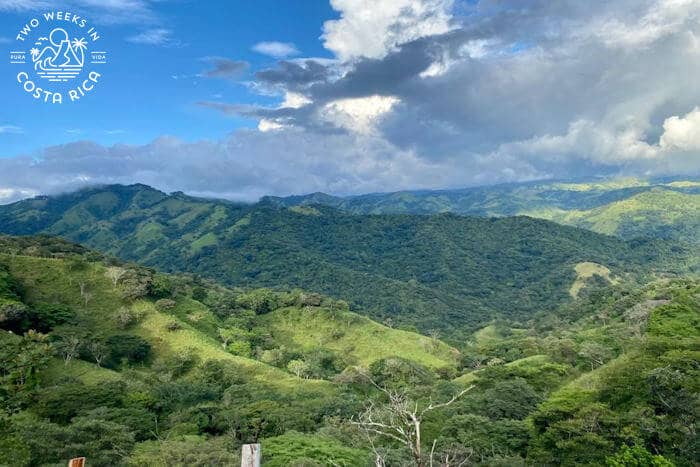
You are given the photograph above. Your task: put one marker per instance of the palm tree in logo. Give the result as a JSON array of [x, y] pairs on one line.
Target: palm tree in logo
[[34, 52], [81, 46]]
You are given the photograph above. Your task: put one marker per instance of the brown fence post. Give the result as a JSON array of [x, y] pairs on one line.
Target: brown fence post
[[250, 455]]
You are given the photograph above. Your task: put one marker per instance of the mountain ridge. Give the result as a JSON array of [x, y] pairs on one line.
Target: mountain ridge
[[446, 272]]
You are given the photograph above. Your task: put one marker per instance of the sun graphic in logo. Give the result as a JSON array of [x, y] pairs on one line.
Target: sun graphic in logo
[[62, 58]]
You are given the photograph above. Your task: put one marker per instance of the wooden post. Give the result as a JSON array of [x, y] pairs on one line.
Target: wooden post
[[250, 455], [77, 462]]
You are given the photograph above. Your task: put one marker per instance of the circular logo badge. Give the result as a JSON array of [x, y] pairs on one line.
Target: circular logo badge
[[58, 56]]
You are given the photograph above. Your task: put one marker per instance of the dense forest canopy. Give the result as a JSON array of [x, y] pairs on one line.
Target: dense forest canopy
[[446, 272], [627, 207], [128, 366]]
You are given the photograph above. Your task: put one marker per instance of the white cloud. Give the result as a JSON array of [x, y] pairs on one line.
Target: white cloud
[[22, 5], [5, 129], [360, 115], [102, 11], [663, 18], [245, 166], [157, 36], [584, 141], [368, 28], [266, 125], [682, 133], [8, 195], [509, 94], [276, 49], [294, 100]]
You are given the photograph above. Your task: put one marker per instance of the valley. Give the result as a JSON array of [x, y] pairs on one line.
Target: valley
[[186, 321]]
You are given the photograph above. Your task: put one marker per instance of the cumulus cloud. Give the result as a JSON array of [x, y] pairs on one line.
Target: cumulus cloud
[[682, 133], [433, 94], [276, 49], [359, 115], [245, 166], [368, 28]]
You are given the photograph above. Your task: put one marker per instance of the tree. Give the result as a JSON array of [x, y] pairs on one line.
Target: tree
[[227, 335], [595, 353], [115, 273], [128, 348], [21, 360], [399, 419], [636, 456], [98, 350], [299, 367], [84, 293], [69, 347]]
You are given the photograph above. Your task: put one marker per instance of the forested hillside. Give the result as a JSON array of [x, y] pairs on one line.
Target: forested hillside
[[447, 273], [629, 208], [127, 366]]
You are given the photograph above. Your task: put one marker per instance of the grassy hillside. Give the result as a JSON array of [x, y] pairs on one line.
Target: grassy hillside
[[87, 342], [446, 272], [359, 338], [58, 282], [660, 212]]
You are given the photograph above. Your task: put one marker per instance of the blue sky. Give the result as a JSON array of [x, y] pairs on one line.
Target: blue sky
[[151, 89], [240, 99]]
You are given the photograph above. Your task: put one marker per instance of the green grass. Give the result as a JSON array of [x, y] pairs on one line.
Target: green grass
[[187, 339], [205, 240], [53, 281], [487, 335], [86, 372], [585, 271], [668, 212], [531, 362], [352, 335]]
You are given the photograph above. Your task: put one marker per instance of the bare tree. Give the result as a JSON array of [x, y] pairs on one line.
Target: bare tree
[[399, 419], [115, 273], [87, 296], [595, 353], [69, 348], [637, 317], [98, 351]]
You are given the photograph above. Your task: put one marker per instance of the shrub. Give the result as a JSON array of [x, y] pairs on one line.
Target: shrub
[[161, 287], [173, 326], [127, 316], [261, 301], [165, 304], [126, 348], [240, 348]]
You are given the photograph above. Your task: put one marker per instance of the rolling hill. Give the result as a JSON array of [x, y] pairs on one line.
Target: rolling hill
[[130, 367], [446, 272], [628, 208]]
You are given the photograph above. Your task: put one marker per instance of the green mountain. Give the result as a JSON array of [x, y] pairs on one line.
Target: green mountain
[[447, 272], [129, 367], [628, 208]]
